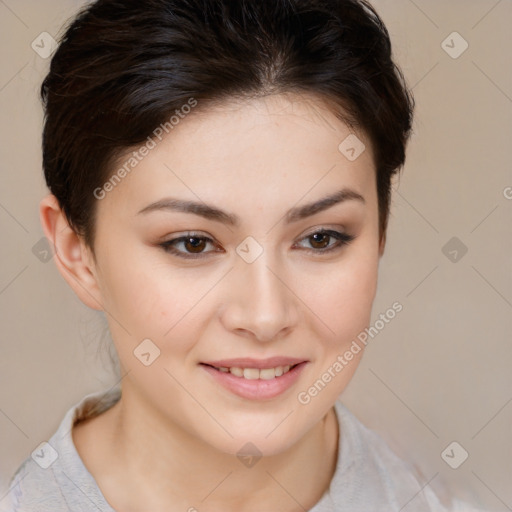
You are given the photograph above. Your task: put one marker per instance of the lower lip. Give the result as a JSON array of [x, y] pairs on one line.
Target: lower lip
[[256, 389]]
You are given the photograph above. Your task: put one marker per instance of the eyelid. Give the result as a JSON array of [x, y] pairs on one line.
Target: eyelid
[[168, 245], [342, 239]]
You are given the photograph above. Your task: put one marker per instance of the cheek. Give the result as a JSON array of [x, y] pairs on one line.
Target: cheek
[[355, 286], [150, 299], [341, 294]]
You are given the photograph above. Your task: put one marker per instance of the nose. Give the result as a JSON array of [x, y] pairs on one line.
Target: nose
[[260, 301]]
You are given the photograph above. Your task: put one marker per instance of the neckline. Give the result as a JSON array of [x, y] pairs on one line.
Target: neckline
[[96, 403]]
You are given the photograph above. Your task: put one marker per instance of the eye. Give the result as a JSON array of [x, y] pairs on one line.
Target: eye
[[320, 240], [193, 245]]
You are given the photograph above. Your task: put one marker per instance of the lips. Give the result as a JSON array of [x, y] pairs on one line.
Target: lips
[[260, 364], [256, 369], [256, 379], [255, 373]]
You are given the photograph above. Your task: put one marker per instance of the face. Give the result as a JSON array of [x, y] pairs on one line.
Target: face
[[219, 248]]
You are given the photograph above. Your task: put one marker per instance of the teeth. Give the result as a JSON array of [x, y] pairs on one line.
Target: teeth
[[266, 374], [251, 373], [255, 373], [237, 371]]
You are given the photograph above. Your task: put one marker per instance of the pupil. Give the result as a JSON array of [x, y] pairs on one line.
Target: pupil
[[323, 237], [196, 243]]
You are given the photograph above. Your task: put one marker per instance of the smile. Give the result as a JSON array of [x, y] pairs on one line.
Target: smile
[[256, 373], [243, 379]]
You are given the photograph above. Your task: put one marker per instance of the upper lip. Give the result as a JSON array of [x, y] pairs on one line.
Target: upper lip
[[247, 362]]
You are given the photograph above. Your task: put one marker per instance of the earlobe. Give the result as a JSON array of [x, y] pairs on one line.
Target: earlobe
[[71, 255]]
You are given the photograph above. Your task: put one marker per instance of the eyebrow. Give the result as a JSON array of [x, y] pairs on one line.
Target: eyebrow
[[212, 213]]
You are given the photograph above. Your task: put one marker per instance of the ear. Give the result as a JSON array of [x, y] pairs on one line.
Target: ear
[[73, 259], [382, 244]]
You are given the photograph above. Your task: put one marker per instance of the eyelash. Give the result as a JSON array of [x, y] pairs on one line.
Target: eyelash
[[343, 239]]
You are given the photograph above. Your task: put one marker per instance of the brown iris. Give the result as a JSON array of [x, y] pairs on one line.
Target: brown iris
[[318, 239], [195, 244]]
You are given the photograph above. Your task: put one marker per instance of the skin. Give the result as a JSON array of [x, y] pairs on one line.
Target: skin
[[170, 443]]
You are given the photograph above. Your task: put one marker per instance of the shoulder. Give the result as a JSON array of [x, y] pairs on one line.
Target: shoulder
[[371, 476], [33, 488], [54, 477]]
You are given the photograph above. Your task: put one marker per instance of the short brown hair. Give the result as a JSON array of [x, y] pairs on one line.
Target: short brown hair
[[124, 66]]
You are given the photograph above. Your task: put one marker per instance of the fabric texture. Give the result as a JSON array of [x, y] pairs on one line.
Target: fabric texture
[[369, 477]]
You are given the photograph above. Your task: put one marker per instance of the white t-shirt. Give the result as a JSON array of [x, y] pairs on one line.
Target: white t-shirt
[[369, 477]]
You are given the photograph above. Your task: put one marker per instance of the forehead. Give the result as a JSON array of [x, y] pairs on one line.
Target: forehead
[[274, 148]]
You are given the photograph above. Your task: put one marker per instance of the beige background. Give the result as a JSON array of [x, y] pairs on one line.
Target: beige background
[[439, 372]]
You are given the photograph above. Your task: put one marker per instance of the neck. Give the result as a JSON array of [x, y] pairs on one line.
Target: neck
[[164, 464]]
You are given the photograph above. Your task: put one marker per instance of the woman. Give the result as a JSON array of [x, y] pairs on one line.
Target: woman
[[220, 177]]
